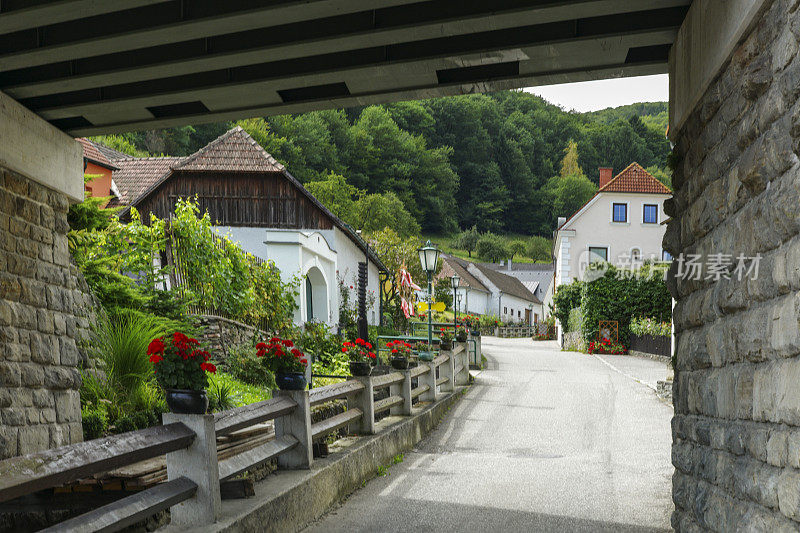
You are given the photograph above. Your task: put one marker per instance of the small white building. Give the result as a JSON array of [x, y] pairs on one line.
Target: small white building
[[621, 224], [536, 277]]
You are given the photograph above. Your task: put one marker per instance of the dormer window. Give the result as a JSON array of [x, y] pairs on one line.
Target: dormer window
[[619, 213], [650, 214]]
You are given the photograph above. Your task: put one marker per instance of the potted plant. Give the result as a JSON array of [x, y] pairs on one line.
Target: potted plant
[[606, 346], [360, 355], [400, 354], [287, 362], [461, 333], [180, 368], [445, 339]]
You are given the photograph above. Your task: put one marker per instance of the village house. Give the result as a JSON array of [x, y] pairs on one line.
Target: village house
[[621, 224], [254, 200]]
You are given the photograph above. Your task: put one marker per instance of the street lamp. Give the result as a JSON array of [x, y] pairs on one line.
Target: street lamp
[[454, 281], [428, 257]]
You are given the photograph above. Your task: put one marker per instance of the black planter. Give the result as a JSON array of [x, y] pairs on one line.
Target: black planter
[[290, 380], [360, 368], [475, 333], [400, 362], [187, 402], [446, 345], [462, 336]]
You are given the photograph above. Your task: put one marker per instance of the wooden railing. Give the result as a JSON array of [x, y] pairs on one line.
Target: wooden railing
[[189, 442]]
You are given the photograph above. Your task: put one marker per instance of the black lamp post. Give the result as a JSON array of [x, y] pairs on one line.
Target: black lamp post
[[428, 257], [454, 280]]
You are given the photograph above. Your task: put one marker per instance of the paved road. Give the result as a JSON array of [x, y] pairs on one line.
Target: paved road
[[544, 441]]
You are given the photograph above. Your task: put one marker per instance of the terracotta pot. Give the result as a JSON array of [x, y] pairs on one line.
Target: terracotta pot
[[187, 402], [290, 380], [360, 368]]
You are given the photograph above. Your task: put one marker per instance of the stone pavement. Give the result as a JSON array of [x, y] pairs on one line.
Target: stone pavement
[[543, 441]]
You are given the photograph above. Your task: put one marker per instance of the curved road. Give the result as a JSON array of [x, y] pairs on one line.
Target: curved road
[[543, 441]]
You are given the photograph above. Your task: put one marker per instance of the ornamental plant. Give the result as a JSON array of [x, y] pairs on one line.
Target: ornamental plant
[[358, 351], [445, 335], [179, 363], [399, 348], [281, 356], [461, 333], [606, 346], [650, 326]]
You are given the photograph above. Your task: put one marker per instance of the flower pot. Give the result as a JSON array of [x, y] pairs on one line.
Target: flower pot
[[360, 368], [187, 402], [475, 332], [461, 337], [446, 345], [400, 362], [290, 380]]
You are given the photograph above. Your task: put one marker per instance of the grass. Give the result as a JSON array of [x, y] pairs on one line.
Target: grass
[[244, 394], [445, 243]]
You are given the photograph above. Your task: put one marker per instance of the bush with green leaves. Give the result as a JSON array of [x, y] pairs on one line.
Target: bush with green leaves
[[245, 366], [492, 248], [574, 321], [317, 341], [650, 326], [94, 421], [179, 363], [566, 298], [539, 249], [443, 292], [467, 240]]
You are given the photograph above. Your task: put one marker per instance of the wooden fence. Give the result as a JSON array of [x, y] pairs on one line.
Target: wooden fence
[[194, 472]]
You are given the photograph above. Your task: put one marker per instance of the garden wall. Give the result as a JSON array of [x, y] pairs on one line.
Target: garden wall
[[45, 311], [736, 430], [223, 333]]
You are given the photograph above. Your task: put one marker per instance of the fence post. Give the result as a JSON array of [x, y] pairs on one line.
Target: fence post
[[198, 463], [298, 425], [462, 377], [429, 379], [364, 400], [402, 389], [448, 370]]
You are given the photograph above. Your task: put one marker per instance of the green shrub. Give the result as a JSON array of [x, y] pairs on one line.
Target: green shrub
[[316, 340], [650, 326], [575, 320], [245, 366], [566, 298], [94, 421], [492, 248], [222, 396]]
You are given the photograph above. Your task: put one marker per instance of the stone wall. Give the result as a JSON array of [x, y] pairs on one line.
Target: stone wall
[[736, 430], [220, 334], [45, 310]]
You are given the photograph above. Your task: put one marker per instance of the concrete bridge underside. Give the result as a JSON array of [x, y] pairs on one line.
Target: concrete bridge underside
[[79, 67]]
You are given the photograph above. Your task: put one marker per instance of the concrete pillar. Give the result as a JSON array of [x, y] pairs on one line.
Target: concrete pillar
[[198, 462], [429, 379], [402, 389], [298, 425], [448, 370], [364, 400], [462, 358]]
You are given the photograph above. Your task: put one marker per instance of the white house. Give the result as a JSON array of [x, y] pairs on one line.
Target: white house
[[621, 224], [485, 291], [254, 200], [536, 277]]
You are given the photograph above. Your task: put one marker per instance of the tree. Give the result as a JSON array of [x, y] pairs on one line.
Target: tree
[[467, 240], [569, 165], [443, 292], [337, 195], [374, 212], [664, 175], [516, 248], [567, 195], [540, 249], [492, 248]]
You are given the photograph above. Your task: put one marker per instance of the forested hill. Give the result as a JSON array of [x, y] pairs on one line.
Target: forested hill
[[506, 161]]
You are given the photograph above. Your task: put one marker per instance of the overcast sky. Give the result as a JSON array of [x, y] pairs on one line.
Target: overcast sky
[[594, 95]]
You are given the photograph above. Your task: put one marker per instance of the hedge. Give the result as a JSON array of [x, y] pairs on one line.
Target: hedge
[[566, 298]]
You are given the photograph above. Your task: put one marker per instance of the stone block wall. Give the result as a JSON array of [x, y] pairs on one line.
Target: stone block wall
[[45, 311], [736, 430], [221, 334]]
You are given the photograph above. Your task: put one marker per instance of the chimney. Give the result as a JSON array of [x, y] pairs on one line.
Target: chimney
[[561, 222], [509, 265], [605, 175]]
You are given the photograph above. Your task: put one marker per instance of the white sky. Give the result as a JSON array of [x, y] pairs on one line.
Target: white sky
[[593, 95]]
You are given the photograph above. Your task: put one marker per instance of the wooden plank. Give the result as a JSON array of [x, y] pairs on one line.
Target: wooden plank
[[440, 359], [334, 391], [255, 457], [335, 422], [248, 415], [442, 380], [37, 471], [457, 349], [385, 380], [420, 390], [387, 403], [419, 370], [131, 509]]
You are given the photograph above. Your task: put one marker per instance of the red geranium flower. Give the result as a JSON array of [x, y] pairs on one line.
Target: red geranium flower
[[208, 367], [287, 343], [155, 346], [261, 346], [155, 358]]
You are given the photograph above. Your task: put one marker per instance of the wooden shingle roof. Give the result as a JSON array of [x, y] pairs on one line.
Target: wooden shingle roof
[[635, 179], [93, 153], [138, 174], [234, 151]]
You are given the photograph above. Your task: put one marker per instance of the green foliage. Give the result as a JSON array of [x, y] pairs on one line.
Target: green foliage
[[443, 292], [243, 364], [122, 143], [222, 396], [568, 194], [566, 298], [617, 297], [317, 341], [575, 320], [516, 248], [664, 175], [650, 326], [89, 214], [492, 248], [569, 165], [539, 249], [467, 240], [242, 393], [94, 422]]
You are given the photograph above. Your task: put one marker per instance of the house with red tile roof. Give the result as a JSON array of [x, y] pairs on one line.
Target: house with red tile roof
[[252, 198], [98, 167], [621, 224]]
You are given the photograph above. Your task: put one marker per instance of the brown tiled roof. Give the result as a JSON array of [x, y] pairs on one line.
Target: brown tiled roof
[[93, 153], [635, 179], [139, 174], [451, 265], [234, 151], [507, 284]]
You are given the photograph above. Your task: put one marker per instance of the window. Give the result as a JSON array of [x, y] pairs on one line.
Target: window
[[620, 213], [519, 314], [636, 255], [597, 254], [505, 310], [650, 214], [666, 256]]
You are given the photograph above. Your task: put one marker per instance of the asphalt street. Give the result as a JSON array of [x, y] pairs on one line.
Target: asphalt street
[[543, 441]]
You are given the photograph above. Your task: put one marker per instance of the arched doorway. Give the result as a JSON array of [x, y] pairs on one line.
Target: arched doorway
[[316, 296]]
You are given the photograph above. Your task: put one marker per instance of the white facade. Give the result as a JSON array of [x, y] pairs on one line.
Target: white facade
[[592, 232], [315, 258], [473, 301]]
